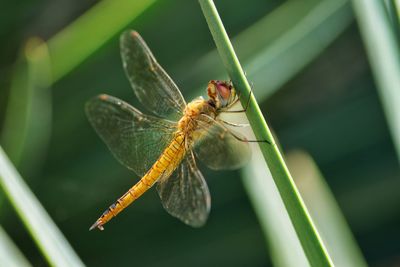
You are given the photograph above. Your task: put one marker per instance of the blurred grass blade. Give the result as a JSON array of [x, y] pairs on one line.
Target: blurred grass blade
[[85, 35], [306, 232], [397, 4], [300, 30], [270, 210], [384, 56], [320, 202], [394, 18], [254, 39], [324, 210], [27, 125], [286, 56], [47, 236], [10, 255]]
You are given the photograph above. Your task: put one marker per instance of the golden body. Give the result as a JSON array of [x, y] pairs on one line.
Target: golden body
[[169, 159]]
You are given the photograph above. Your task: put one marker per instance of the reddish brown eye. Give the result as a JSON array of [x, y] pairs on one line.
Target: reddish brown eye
[[220, 93], [223, 90]]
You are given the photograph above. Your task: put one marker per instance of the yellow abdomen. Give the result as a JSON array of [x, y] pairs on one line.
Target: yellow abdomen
[[162, 168]]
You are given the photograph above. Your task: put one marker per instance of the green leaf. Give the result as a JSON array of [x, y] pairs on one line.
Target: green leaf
[[274, 220], [47, 236], [10, 255], [324, 210], [85, 35], [384, 56]]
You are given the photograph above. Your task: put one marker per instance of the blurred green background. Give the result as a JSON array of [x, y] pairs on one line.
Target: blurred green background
[[313, 81]]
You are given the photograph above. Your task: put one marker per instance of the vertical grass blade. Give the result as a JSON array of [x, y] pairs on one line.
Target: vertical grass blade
[[306, 232], [10, 255], [47, 236], [393, 17], [282, 242], [384, 56], [397, 5]]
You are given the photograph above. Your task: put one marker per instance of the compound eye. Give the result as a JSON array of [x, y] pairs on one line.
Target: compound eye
[[220, 92], [224, 92]]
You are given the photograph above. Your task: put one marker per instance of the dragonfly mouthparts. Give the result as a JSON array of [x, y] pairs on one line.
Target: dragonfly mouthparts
[[98, 225]]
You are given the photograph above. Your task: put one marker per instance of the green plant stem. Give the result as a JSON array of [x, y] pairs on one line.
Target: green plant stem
[[397, 5], [384, 55], [306, 232], [324, 210], [10, 255], [283, 245], [47, 236]]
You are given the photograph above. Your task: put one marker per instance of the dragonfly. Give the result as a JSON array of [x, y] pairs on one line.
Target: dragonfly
[[161, 148]]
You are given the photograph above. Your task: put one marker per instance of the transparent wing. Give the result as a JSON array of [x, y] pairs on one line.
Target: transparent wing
[[151, 84], [218, 147], [185, 193], [135, 139]]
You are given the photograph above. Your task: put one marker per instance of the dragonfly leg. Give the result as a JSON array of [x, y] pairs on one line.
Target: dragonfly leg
[[245, 108], [235, 124], [221, 123], [246, 140]]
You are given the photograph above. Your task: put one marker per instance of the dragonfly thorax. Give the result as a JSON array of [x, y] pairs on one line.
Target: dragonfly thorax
[[196, 107], [193, 111]]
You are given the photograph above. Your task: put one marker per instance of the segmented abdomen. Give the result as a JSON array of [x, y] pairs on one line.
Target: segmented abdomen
[[162, 168]]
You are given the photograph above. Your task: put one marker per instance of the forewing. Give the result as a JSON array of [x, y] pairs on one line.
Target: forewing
[[218, 147], [151, 84], [135, 139], [185, 193]]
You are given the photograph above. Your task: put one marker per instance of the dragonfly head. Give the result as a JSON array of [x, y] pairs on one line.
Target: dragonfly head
[[221, 93]]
